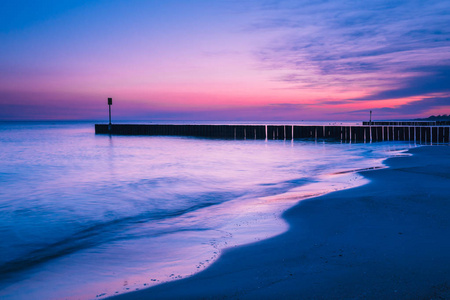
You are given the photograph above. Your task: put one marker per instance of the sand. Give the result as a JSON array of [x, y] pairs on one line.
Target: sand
[[389, 239]]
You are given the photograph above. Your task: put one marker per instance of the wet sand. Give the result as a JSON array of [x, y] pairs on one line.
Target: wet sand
[[389, 239]]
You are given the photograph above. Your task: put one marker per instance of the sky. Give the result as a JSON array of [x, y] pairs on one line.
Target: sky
[[224, 60]]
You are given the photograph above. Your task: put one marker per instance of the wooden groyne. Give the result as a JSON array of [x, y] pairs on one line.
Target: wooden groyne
[[408, 123], [359, 133]]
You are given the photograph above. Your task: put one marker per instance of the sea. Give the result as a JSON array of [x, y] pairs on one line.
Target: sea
[[86, 216]]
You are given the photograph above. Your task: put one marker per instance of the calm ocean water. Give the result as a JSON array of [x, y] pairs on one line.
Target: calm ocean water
[[85, 216]]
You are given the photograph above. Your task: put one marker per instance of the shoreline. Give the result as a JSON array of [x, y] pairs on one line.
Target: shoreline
[[122, 240], [383, 239]]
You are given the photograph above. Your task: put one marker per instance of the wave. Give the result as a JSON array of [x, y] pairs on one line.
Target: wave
[[92, 236], [121, 228]]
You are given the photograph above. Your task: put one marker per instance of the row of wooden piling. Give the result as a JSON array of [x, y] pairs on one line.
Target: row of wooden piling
[[361, 133], [407, 123]]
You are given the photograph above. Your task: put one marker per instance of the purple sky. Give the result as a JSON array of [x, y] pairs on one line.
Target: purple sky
[[224, 60]]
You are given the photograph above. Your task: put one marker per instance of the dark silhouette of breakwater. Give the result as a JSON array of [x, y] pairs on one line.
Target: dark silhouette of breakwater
[[358, 133], [408, 123]]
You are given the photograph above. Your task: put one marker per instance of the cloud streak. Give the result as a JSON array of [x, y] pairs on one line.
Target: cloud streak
[[367, 45], [408, 110], [430, 79]]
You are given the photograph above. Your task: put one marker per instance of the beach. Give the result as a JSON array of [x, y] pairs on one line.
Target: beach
[[141, 211], [387, 239], [277, 149]]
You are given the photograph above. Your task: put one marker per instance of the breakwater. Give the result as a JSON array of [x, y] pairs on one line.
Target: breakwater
[[408, 123], [358, 133]]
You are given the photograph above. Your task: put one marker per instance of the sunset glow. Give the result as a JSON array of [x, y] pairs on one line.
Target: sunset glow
[[224, 60]]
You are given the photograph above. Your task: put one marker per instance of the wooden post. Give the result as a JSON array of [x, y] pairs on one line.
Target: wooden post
[[109, 104]]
